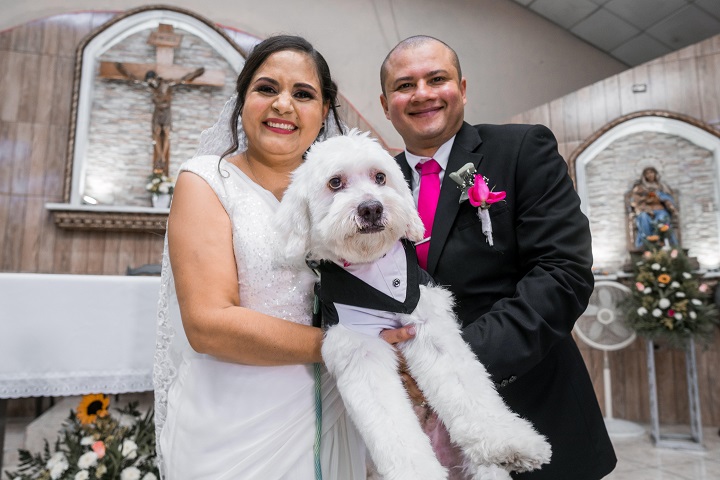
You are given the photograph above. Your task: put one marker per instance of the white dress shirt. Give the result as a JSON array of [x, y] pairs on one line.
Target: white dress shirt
[[441, 157]]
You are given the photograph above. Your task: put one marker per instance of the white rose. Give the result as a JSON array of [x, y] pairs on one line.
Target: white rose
[[87, 460], [680, 294], [686, 276], [129, 449], [642, 311], [657, 312], [647, 291], [130, 473], [89, 440], [57, 470], [82, 475], [57, 457], [655, 266], [664, 303], [695, 301], [678, 315], [164, 188], [149, 476], [693, 315], [675, 285]]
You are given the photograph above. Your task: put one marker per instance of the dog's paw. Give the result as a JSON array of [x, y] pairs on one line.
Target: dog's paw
[[523, 453], [490, 472]]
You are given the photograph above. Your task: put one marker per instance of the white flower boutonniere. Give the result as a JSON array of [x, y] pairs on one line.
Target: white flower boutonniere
[[475, 189]]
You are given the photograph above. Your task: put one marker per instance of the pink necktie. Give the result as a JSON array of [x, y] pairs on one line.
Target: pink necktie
[[427, 203]]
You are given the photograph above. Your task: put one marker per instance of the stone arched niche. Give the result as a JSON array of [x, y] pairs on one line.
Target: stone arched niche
[[110, 152], [687, 155]]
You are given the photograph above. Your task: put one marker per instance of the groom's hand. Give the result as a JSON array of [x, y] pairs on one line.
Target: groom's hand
[[397, 335]]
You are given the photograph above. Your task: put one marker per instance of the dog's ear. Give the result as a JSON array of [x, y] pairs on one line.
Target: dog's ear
[[292, 220], [415, 228]]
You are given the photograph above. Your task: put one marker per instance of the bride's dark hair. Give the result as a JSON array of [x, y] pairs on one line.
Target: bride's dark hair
[[259, 55]]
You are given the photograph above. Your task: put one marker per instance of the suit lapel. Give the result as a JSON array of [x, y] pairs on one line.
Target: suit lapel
[[466, 143]]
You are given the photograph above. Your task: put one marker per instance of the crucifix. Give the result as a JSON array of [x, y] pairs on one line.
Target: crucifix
[[161, 77]]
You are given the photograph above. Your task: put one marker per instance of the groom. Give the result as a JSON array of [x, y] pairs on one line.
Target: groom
[[519, 295]]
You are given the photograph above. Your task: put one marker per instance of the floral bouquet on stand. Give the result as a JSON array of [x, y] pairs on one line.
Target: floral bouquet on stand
[[667, 302], [93, 444], [161, 188]]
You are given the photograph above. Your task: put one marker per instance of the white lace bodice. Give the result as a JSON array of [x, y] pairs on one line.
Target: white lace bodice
[[265, 284]]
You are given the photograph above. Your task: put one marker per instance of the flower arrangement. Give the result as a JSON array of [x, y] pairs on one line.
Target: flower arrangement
[[661, 234], [667, 302], [160, 183], [475, 189], [94, 444]]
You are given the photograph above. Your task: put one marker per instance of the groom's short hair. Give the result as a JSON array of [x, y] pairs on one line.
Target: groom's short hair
[[416, 41]]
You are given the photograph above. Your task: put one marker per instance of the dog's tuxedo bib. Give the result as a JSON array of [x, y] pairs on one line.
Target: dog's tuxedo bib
[[370, 308]]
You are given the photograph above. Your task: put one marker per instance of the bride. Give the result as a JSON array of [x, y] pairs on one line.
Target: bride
[[237, 367]]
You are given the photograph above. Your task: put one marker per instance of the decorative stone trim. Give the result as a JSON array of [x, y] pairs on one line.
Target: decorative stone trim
[[123, 222]]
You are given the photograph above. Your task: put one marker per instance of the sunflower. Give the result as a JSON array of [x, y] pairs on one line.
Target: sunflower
[[664, 278], [91, 407]]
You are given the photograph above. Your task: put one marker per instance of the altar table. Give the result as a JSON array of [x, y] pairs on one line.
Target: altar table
[[75, 334]]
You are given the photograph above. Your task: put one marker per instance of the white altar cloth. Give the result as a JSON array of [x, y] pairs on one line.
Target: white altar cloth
[[76, 334]]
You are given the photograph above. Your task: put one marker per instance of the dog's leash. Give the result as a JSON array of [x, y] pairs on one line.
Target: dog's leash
[[317, 322]]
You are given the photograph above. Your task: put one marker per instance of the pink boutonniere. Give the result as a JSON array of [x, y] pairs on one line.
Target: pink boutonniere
[[475, 189]]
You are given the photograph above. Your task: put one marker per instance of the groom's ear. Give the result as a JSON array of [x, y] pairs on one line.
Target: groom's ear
[[384, 103]]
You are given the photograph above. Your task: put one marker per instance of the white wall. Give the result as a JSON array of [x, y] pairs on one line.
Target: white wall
[[513, 59]]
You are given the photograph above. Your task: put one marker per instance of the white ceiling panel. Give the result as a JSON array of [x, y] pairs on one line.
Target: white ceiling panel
[[605, 30], [633, 31], [710, 6], [563, 14], [640, 49], [685, 27], [644, 13]]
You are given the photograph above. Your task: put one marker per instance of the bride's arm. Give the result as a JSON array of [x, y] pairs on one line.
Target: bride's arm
[[206, 280]]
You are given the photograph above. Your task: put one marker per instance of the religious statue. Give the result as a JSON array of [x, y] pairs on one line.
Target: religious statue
[[161, 77], [653, 206], [161, 89]]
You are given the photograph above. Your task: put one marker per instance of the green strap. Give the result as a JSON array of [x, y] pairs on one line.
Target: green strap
[[318, 422], [318, 405]]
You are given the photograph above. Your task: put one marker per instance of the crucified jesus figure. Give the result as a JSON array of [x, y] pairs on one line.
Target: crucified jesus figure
[[161, 89]]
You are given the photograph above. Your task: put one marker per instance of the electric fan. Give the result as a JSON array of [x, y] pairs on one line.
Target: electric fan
[[602, 326]]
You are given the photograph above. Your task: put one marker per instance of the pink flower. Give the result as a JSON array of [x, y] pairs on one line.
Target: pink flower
[[671, 313], [481, 196], [639, 286], [703, 288], [99, 448], [673, 253]]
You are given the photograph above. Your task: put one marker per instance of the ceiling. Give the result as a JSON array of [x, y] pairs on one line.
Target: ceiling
[[633, 31]]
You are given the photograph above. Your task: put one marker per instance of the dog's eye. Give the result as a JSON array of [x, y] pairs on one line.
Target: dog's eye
[[335, 183], [380, 178]]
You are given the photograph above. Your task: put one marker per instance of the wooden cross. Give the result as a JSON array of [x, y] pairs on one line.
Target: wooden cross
[[161, 77]]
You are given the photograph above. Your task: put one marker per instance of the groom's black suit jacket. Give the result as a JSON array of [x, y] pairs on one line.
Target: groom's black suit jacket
[[519, 299]]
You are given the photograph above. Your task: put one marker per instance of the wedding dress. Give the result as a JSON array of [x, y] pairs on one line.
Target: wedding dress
[[221, 420]]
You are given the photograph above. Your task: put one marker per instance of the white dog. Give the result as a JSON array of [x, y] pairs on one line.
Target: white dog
[[347, 208]]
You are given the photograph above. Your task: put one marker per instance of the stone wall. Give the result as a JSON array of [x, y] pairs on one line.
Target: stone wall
[[686, 168], [120, 156]]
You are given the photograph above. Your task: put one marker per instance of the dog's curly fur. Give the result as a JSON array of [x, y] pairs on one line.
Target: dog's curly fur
[[321, 217]]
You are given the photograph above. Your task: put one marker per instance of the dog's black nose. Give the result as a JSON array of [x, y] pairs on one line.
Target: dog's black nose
[[370, 211]]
